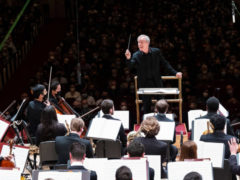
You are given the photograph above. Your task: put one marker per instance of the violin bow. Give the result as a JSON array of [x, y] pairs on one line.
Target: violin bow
[[49, 82]]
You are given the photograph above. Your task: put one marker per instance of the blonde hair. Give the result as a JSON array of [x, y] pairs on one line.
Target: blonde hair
[[131, 135], [150, 127]]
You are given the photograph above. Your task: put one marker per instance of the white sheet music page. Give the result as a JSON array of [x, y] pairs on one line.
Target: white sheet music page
[[14, 174], [102, 128], [214, 151], [200, 125], [60, 175], [96, 164], [3, 128], [63, 117], [106, 169], [19, 153], [154, 162], [123, 116], [166, 131], [193, 114], [177, 170]]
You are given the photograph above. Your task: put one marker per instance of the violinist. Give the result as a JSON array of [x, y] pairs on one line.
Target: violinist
[[35, 107], [55, 92]]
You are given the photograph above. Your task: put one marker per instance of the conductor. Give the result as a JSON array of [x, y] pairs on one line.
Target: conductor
[[149, 64]]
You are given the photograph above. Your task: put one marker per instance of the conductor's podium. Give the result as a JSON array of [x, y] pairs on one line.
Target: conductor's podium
[[160, 91]]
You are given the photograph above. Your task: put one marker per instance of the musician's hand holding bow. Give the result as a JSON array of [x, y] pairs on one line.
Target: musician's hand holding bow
[[9, 157]]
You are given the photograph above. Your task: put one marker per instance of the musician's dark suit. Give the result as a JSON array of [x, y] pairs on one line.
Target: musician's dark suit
[[153, 146], [234, 165], [218, 137], [210, 114], [63, 144], [173, 149], [34, 111], [93, 174], [1, 158], [121, 135]]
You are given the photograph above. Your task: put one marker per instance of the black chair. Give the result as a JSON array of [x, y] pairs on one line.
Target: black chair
[[224, 173], [48, 155], [108, 149]]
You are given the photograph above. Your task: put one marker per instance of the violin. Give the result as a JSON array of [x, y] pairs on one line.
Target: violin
[[8, 163]]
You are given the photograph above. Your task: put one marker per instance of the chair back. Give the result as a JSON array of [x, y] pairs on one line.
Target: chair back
[[223, 173], [48, 155], [108, 149]]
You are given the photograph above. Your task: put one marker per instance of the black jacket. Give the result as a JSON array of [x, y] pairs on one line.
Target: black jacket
[[150, 67], [63, 144], [34, 112], [235, 168]]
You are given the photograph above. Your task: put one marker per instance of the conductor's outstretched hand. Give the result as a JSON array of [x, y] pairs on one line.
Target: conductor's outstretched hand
[[128, 54]]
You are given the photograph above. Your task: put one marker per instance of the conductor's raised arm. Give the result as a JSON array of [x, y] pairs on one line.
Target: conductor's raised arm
[[128, 54]]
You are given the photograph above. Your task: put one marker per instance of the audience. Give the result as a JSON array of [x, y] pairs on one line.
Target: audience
[[49, 128]]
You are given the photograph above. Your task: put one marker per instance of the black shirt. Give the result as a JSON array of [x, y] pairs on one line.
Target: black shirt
[[34, 112], [149, 67]]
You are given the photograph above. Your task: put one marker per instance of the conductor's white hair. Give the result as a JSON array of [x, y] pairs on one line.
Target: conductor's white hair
[[145, 37]]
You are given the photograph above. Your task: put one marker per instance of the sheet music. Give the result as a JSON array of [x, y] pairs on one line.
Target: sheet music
[[222, 110], [14, 174], [177, 170], [102, 128], [193, 114], [63, 117], [106, 169], [60, 175], [169, 116], [154, 162], [19, 153], [3, 128], [200, 125], [123, 116], [214, 151], [166, 131], [158, 91]]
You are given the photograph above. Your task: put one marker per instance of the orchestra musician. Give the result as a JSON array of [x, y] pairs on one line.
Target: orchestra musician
[[49, 128], [107, 107], [218, 135], [63, 143], [55, 92], [35, 108]]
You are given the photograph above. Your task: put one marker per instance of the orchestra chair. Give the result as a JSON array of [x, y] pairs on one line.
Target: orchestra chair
[[223, 173], [48, 155], [108, 149]]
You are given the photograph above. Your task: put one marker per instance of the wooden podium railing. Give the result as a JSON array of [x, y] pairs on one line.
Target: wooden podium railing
[[178, 100]]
